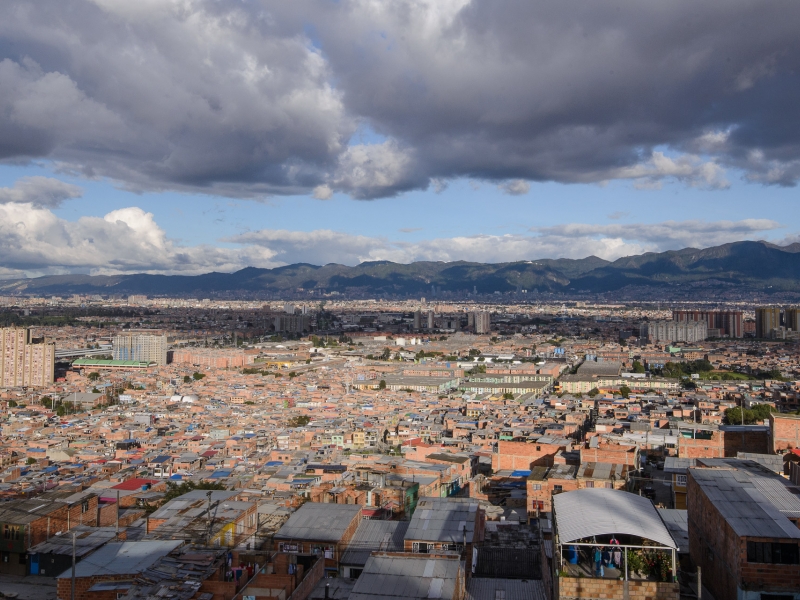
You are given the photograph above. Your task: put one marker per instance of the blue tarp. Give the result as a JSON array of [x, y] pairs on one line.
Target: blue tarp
[[521, 473]]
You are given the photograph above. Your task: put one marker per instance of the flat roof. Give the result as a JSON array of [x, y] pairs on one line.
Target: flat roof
[[123, 558], [90, 362], [412, 577], [318, 521]]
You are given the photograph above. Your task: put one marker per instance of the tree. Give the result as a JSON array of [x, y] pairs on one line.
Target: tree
[[47, 401], [625, 391], [387, 354], [30, 461], [593, 392], [758, 412], [292, 374], [382, 384], [299, 421], [187, 379], [508, 396], [175, 490], [198, 376], [94, 376], [12, 404], [474, 352], [638, 367]]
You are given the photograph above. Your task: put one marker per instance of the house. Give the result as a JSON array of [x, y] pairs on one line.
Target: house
[[743, 530], [445, 525], [320, 528], [371, 536]]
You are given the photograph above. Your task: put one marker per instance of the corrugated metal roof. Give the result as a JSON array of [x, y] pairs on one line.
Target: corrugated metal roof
[[318, 521], [677, 522], [599, 511], [371, 536], [747, 500], [123, 558], [482, 588], [443, 520], [412, 577]]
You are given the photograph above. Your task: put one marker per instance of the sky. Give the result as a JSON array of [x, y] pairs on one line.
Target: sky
[[188, 136]]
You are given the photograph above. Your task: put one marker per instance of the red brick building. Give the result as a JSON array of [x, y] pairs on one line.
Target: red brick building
[[743, 530]]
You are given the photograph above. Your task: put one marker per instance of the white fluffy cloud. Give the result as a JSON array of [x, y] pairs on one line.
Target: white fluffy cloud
[[33, 240]]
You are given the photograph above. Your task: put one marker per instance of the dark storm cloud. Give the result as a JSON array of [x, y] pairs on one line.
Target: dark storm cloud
[[252, 98]]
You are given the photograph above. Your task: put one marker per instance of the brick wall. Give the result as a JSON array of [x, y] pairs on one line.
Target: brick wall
[[82, 585], [520, 455], [724, 444], [584, 588], [784, 432]]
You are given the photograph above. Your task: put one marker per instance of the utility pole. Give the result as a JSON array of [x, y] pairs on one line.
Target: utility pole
[[72, 594]]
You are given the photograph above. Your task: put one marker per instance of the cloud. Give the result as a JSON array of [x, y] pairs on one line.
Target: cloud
[[253, 99], [569, 241], [323, 192], [515, 187], [39, 191], [33, 240]]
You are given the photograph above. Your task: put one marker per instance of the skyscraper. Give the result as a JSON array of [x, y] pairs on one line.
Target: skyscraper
[[23, 363], [417, 320], [141, 347], [791, 318]]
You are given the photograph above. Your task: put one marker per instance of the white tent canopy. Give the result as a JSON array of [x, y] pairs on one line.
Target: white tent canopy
[[591, 512]]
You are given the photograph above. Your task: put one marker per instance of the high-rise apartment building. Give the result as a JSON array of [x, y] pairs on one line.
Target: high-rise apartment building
[[675, 331], [791, 318], [483, 322], [417, 320], [23, 363], [139, 346], [767, 319], [430, 319], [728, 323], [292, 323]]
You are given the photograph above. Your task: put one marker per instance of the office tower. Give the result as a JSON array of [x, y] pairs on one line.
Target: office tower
[[142, 347], [417, 319], [23, 363], [430, 320], [767, 319], [483, 322]]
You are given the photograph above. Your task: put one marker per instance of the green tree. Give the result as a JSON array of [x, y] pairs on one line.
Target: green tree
[[638, 367], [625, 391], [30, 461], [508, 396], [93, 376], [174, 490], [47, 401], [186, 379], [299, 421], [382, 384], [387, 354], [198, 376], [12, 404], [593, 392]]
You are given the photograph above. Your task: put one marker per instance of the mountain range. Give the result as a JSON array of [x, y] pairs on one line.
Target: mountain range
[[751, 265]]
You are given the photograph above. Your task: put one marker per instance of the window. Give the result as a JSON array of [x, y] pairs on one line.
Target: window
[[419, 547], [85, 506], [557, 489], [773, 553], [590, 484], [680, 480], [537, 487]]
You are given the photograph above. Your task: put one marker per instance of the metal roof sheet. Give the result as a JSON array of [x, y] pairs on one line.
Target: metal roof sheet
[[123, 558], [384, 536], [316, 521], [600, 511], [410, 577], [483, 588], [443, 520]]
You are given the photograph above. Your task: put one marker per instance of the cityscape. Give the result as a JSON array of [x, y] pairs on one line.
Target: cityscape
[[399, 300]]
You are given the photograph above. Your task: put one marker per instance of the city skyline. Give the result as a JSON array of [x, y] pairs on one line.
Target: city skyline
[[261, 134]]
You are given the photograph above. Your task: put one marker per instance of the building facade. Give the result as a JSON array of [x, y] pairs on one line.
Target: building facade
[[483, 322], [23, 363], [675, 331], [141, 347]]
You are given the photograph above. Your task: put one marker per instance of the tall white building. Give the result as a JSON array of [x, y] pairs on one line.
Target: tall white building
[[675, 331], [141, 347], [23, 363]]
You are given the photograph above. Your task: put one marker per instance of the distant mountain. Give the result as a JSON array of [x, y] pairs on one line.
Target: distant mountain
[[752, 265]]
